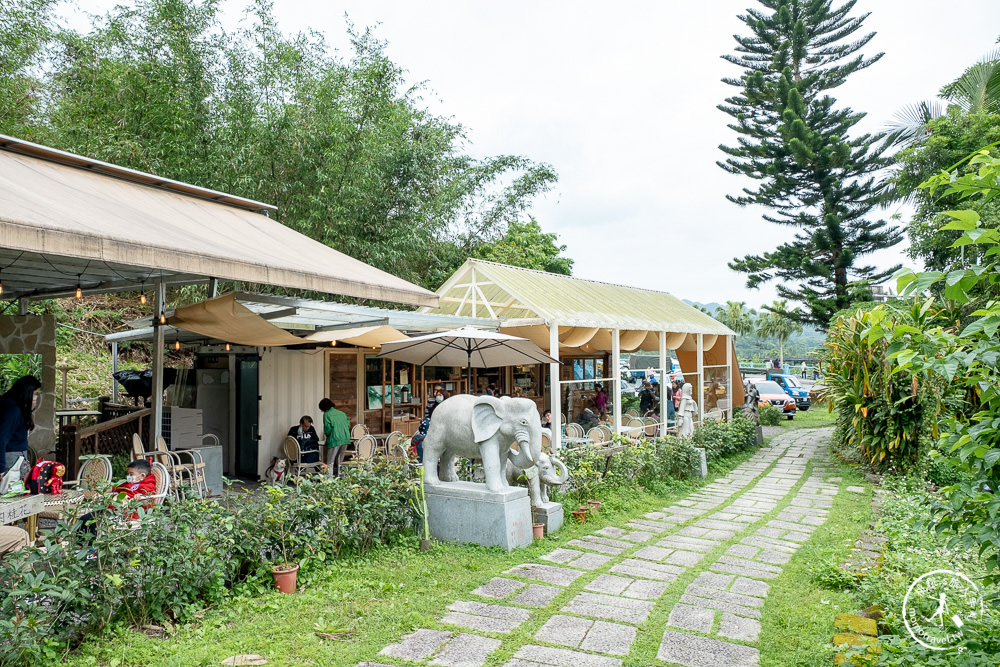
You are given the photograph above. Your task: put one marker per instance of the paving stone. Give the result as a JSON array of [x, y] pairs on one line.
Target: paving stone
[[644, 589], [835, 479], [609, 607], [536, 595], [720, 535], [721, 605], [638, 536], [797, 536], [647, 569], [610, 531], [742, 562], [481, 623], [610, 638], [373, 664], [714, 580], [724, 596], [789, 526], [750, 587], [773, 557], [653, 553], [689, 617], [596, 546], [560, 576], [490, 610], [688, 543], [771, 543], [814, 520], [653, 526], [466, 650], [590, 561], [695, 651], [692, 531], [418, 645], [743, 551], [856, 489], [498, 587], [561, 555], [564, 630], [720, 525], [745, 571], [685, 503], [609, 584], [723, 516], [737, 627], [531, 655], [683, 558]]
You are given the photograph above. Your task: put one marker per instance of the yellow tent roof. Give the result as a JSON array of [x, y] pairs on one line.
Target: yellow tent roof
[[487, 289]]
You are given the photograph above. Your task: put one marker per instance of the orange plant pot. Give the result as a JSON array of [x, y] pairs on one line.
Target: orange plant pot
[[284, 579], [539, 530]]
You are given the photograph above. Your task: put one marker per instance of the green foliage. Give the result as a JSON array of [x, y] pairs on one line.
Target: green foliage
[[781, 323], [795, 142], [527, 246], [13, 366], [737, 317], [186, 554], [342, 145], [770, 415], [890, 415], [25, 31]]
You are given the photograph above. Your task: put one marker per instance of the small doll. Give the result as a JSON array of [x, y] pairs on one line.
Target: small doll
[[55, 483]]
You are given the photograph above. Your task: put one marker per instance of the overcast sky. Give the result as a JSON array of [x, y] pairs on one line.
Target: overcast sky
[[621, 99]]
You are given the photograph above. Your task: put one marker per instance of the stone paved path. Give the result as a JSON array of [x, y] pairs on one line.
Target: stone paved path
[[726, 539]]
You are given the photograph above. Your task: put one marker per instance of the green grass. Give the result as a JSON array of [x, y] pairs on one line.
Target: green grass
[[817, 415], [374, 601]]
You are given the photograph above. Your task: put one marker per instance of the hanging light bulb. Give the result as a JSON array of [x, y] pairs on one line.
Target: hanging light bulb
[[163, 318], [1, 288], [79, 292], [227, 347], [177, 344], [333, 343], [142, 298]]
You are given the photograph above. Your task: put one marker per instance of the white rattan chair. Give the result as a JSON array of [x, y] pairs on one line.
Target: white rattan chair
[[574, 430], [293, 453], [596, 434], [358, 431], [186, 468]]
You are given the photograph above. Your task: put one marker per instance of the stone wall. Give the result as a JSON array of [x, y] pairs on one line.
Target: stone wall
[[36, 334]]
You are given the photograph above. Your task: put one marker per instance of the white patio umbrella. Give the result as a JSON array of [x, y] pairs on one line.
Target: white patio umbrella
[[473, 348]]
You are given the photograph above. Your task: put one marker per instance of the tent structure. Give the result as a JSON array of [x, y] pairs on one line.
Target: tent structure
[[71, 225], [569, 316]]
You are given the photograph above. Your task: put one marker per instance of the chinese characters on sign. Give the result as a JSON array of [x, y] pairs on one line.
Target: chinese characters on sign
[[21, 508]]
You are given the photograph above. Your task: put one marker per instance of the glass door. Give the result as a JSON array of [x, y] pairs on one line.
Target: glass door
[[247, 414]]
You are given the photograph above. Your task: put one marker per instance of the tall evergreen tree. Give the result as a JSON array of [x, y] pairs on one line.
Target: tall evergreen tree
[[794, 141]]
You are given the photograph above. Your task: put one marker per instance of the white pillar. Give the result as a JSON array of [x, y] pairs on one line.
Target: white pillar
[[663, 380], [555, 389], [729, 375], [616, 354], [114, 369], [161, 305], [700, 388]]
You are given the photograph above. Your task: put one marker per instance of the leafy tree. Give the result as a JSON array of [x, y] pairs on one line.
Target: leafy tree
[[737, 317], [780, 322], [527, 246], [25, 34], [794, 141]]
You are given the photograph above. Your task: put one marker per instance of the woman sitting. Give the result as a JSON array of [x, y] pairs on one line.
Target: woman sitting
[[308, 440]]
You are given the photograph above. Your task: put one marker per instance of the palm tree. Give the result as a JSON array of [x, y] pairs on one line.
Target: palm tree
[[737, 317], [780, 322]]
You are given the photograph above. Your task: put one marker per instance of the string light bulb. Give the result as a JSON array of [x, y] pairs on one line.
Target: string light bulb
[[142, 298], [163, 318], [79, 292], [228, 347], [333, 343], [1, 288], [177, 343]]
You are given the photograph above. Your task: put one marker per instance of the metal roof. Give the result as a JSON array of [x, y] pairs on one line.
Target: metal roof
[[488, 289]]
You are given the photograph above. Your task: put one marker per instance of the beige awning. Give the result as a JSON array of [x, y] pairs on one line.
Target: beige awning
[[360, 336], [224, 319], [67, 221]]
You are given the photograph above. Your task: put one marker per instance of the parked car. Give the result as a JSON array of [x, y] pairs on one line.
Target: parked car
[[771, 393], [792, 387]]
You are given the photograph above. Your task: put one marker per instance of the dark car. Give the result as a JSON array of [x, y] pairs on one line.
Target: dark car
[[772, 394]]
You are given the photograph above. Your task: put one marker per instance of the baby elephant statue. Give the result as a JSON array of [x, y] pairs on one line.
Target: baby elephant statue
[[548, 472], [481, 427]]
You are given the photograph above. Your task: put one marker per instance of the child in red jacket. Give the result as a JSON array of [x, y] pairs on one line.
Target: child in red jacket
[[139, 481]]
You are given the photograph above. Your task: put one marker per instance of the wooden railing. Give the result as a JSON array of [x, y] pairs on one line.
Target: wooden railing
[[110, 437]]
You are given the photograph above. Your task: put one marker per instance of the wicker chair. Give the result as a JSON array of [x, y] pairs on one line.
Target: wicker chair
[[364, 451], [186, 467], [358, 431], [631, 413], [651, 427], [596, 435], [546, 443], [293, 453], [574, 430], [398, 453], [137, 447], [607, 432], [94, 473], [393, 439], [162, 476]]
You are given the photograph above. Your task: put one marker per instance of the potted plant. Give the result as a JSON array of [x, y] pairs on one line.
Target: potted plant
[[538, 530], [286, 570]]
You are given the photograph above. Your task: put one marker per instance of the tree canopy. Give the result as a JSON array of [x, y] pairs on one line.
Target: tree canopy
[[794, 141]]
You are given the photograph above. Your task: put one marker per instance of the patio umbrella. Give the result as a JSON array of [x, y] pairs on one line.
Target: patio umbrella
[[473, 348]]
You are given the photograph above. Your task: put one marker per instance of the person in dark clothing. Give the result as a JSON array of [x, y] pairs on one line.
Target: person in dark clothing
[[16, 406], [308, 439], [587, 419], [647, 398], [435, 398], [547, 419]]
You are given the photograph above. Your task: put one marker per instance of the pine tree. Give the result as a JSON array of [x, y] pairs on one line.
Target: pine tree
[[795, 141]]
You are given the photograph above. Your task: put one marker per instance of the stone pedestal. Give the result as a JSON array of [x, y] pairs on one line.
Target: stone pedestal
[[465, 512], [702, 462], [551, 514]]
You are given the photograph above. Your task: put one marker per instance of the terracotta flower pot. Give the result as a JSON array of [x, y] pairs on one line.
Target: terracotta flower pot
[[539, 530], [284, 577], [595, 504], [580, 516]]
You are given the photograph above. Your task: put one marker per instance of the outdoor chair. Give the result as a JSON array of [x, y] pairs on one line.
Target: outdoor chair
[[574, 430], [162, 476], [546, 443], [651, 426], [94, 474], [358, 431], [607, 433], [363, 452], [293, 453], [137, 448], [596, 434], [631, 413], [398, 453], [391, 440], [186, 467]]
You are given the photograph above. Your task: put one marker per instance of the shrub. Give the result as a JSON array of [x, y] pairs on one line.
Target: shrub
[[769, 415], [185, 554]]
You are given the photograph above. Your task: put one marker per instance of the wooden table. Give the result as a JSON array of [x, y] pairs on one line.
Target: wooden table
[[23, 507]]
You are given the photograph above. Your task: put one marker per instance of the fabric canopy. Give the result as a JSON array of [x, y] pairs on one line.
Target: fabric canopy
[[360, 336], [224, 319], [470, 347]]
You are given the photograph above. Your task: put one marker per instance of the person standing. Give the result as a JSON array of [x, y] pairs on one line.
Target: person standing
[[647, 398], [16, 406], [337, 428], [804, 367], [601, 400]]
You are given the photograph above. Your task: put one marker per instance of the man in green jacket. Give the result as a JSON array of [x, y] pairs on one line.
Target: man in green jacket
[[337, 428]]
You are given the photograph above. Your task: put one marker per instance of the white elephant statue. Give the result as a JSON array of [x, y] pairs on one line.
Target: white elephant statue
[[481, 427], [547, 472]]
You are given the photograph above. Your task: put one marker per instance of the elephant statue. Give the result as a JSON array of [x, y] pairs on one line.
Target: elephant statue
[[548, 471], [481, 427]]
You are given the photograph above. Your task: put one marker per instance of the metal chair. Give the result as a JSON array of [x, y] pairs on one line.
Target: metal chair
[[574, 430], [651, 427], [185, 467], [632, 412], [162, 476], [596, 434], [358, 431], [391, 440], [294, 455]]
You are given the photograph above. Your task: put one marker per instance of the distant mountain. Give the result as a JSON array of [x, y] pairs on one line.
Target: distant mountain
[[804, 345]]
